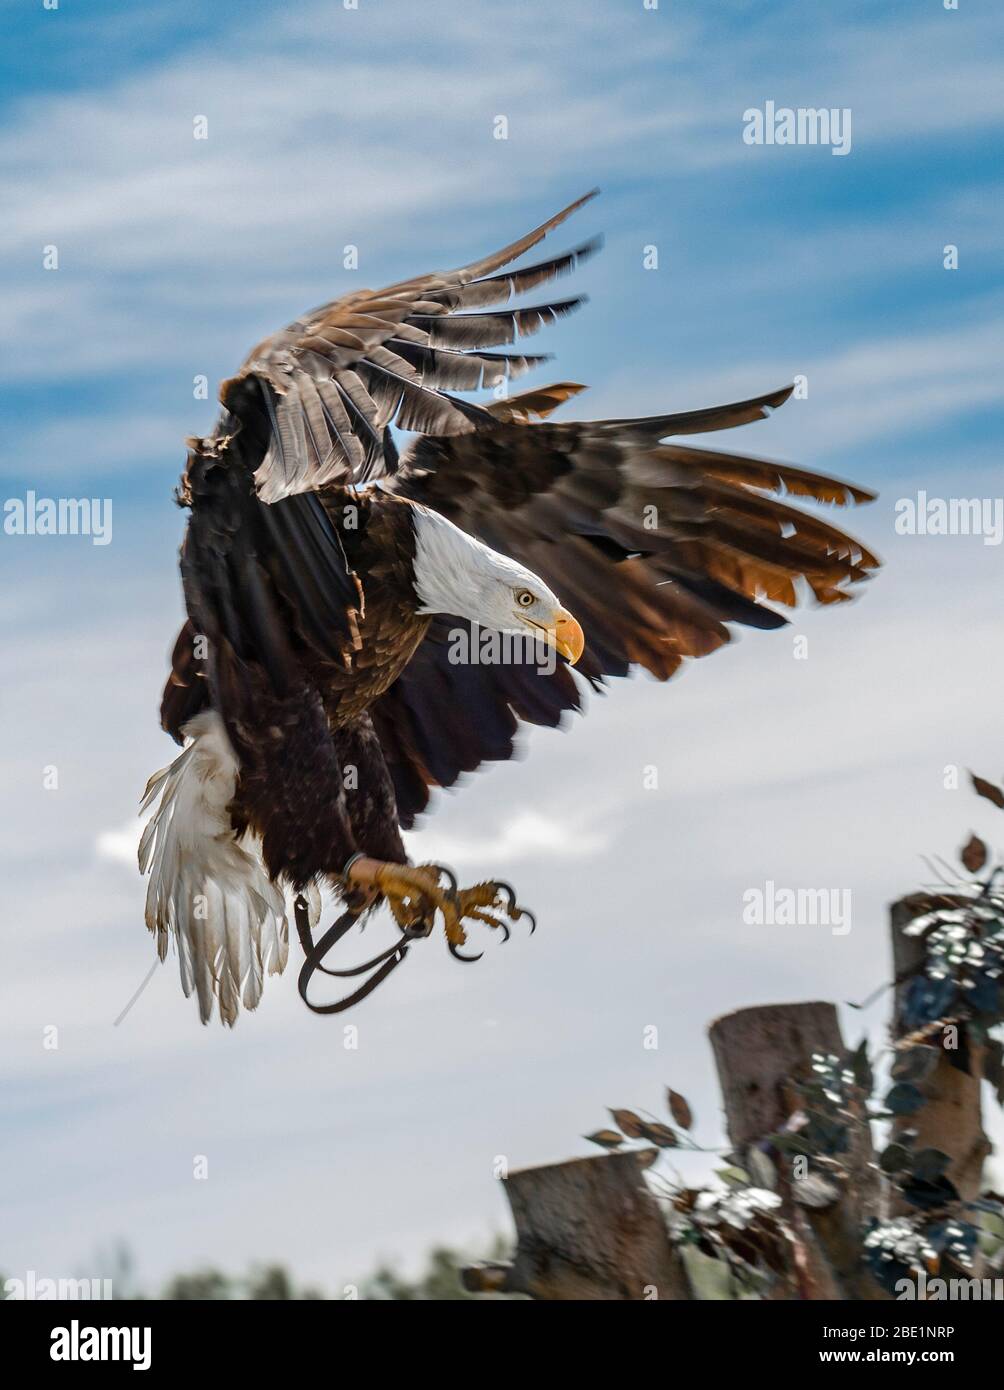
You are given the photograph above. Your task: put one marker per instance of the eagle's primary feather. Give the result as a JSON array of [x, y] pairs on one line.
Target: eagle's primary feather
[[325, 578]]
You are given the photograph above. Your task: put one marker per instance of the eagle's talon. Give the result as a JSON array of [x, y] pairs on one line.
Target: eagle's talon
[[513, 909], [526, 912], [502, 887], [502, 899], [457, 954]]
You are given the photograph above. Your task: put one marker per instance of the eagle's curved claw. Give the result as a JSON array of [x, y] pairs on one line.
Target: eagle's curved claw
[[512, 908], [491, 902], [457, 954]]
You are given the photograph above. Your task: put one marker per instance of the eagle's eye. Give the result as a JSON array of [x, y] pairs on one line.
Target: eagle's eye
[[524, 598]]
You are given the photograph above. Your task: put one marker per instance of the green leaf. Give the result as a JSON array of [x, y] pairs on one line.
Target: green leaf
[[930, 1164], [790, 1143], [815, 1191], [904, 1098], [915, 1063], [761, 1169], [895, 1158]]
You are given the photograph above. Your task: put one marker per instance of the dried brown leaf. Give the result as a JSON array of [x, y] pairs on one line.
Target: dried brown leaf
[[984, 788], [679, 1109], [686, 1200], [606, 1138], [973, 854], [628, 1123], [660, 1135]]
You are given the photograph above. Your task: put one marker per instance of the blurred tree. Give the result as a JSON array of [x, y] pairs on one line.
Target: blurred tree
[[272, 1282], [439, 1281], [203, 1285]]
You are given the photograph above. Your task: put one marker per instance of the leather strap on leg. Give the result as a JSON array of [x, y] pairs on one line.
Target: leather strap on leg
[[382, 965]]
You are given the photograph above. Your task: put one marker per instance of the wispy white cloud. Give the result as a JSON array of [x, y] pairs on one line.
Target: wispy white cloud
[[895, 385], [119, 846], [529, 835]]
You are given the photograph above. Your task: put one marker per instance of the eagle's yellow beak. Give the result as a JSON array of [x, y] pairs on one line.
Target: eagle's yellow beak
[[566, 636]]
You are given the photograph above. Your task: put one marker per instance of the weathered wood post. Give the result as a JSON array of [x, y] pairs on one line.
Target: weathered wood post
[[951, 1117], [759, 1053], [586, 1229]]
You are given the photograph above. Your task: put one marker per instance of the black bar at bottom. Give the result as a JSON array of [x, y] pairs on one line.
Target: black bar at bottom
[[169, 1339]]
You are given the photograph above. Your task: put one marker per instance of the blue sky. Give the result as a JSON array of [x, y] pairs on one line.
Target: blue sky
[[374, 127]]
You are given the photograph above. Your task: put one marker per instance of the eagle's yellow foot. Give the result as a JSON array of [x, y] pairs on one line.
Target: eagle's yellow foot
[[413, 892]]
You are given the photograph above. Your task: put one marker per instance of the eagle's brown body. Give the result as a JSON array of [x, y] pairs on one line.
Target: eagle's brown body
[[314, 785], [377, 535]]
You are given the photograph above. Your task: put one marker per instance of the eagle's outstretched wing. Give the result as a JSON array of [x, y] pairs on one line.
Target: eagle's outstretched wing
[[309, 409], [333, 380], [655, 547]]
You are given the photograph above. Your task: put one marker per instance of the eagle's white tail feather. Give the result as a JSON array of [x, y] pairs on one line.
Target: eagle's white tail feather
[[206, 889]]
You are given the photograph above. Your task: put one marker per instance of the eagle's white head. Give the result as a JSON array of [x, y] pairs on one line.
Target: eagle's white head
[[456, 574]]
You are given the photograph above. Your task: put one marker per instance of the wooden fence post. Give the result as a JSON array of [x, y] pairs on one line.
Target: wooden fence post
[[951, 1117], [586, 1229], [759, 1053]]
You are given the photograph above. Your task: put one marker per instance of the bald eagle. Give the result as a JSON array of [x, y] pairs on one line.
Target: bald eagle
[[318, 686]]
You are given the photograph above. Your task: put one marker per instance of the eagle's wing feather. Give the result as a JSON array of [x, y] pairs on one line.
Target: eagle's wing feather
[[255, 578], [337, 377], [655, 547], [441, 719]]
